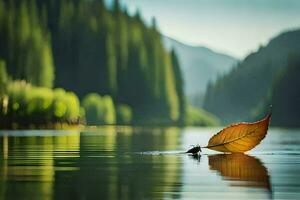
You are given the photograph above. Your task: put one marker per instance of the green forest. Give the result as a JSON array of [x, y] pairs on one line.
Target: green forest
[[267, 77], [76, 61]]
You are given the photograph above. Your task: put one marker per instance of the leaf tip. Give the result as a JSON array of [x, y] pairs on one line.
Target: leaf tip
[[270, 109]]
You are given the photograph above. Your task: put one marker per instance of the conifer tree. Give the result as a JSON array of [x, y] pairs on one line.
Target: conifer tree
[[179, 86]]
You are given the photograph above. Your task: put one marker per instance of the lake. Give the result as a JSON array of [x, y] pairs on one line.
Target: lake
[[144, 163]]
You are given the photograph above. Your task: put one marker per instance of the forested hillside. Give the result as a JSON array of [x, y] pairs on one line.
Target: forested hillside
[[239, 94], [84, 47], [285, 95], [25, 42]]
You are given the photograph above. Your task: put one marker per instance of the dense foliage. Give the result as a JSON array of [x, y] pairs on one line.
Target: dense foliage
[[237, 95], [99, 110], [89, 48], [124, 114], [92, 105], [25, 105]]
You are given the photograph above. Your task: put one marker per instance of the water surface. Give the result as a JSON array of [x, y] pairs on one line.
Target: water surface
[[139, 163]]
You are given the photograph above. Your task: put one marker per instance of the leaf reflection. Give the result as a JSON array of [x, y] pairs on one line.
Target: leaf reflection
[[245, 170]]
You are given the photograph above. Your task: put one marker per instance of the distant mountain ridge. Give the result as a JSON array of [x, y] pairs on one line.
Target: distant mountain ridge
[[238, 95], [199, 64]]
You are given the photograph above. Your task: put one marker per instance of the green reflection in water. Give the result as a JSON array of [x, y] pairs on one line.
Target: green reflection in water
[[104, 164], [27, 164], [112, 168]]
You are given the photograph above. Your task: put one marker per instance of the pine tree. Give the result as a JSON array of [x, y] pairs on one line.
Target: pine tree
[[3, 78], [179, 87]]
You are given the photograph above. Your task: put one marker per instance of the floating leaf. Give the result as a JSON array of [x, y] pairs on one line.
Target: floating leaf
[[240, 137]]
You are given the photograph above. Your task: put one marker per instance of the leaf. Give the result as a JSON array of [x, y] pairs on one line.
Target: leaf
[[240, 137], [241, 169]]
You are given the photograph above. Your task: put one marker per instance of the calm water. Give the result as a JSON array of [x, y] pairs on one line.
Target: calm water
[[129, 163]]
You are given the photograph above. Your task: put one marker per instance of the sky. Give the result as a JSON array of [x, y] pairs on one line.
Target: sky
[[234, 27]]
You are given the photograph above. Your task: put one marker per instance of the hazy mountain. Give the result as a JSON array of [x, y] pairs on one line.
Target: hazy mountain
[[199, 65], [238, 95]]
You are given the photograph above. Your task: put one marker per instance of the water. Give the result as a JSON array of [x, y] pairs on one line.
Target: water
[[127, 163]]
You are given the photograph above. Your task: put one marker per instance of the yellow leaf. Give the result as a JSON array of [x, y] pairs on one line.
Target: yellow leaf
[[240, 137]]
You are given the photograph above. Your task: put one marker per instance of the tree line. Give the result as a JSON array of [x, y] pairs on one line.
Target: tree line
[[85, 47], [111, 62]]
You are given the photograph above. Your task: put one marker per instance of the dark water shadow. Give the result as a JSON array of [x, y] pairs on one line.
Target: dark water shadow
[[242, 170], [196, 157]]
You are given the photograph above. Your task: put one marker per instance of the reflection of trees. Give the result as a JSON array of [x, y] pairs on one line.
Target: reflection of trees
[[3, 165], [110, 166], [27, 164], [102, 165], [243, 170]]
